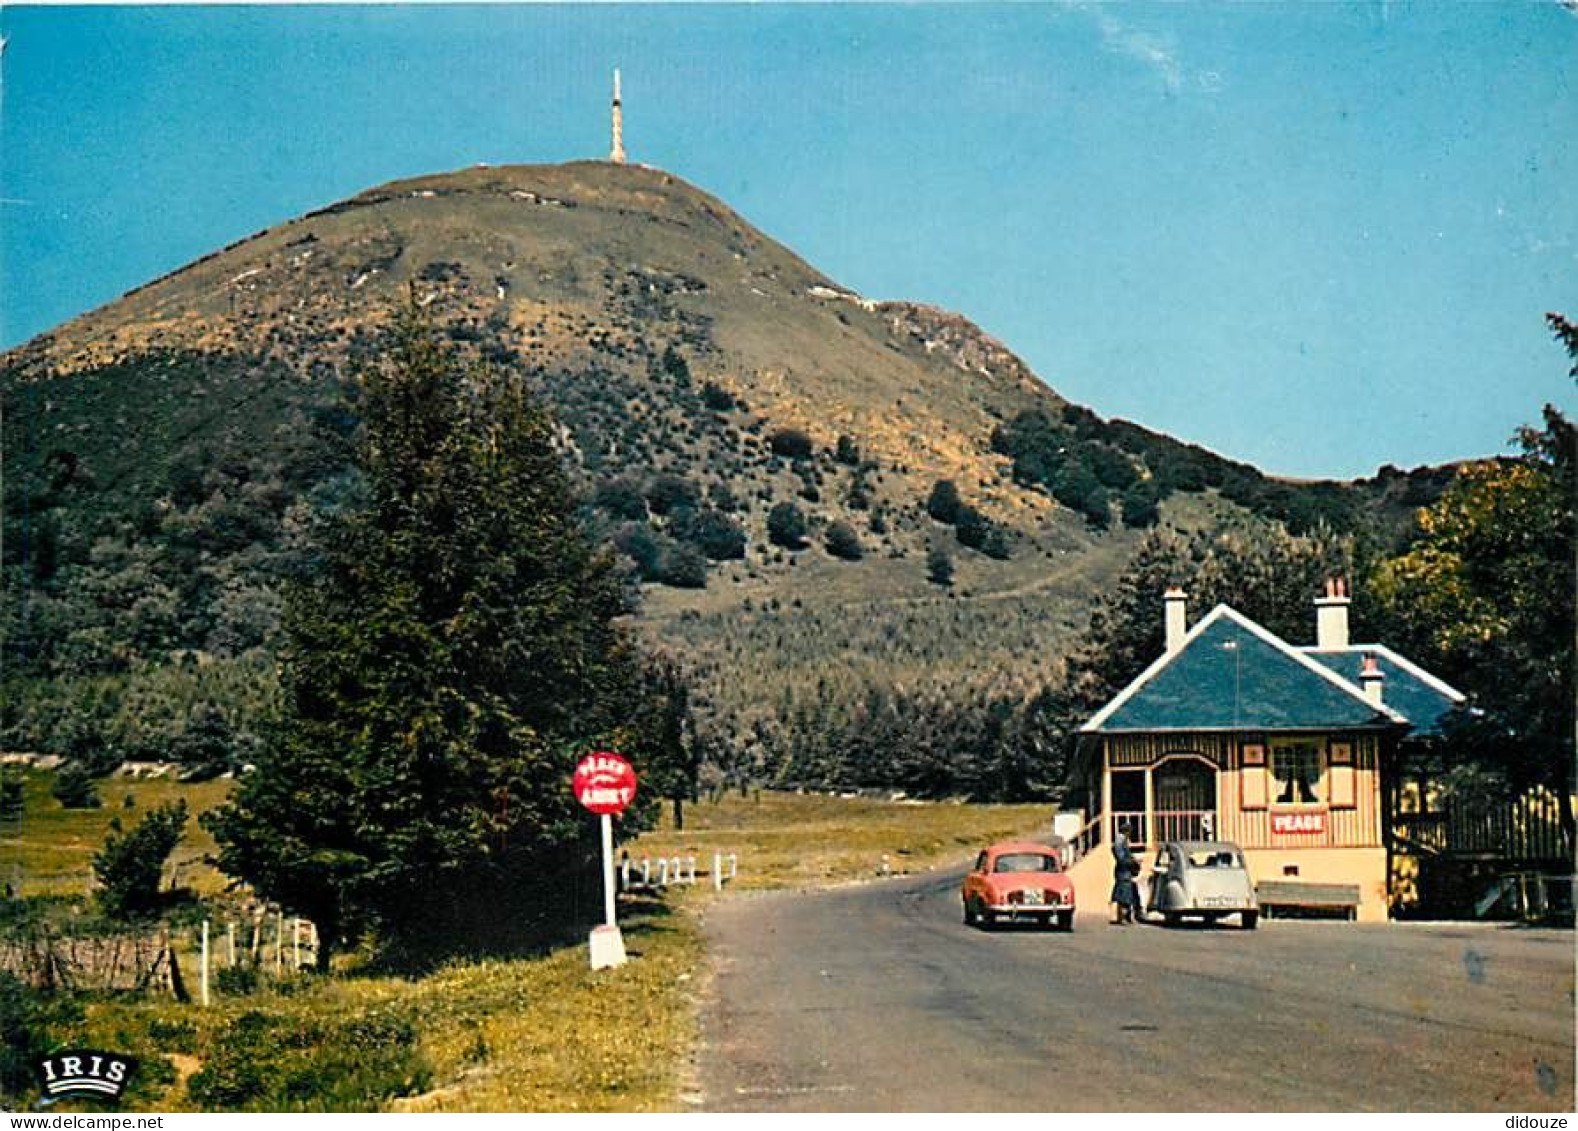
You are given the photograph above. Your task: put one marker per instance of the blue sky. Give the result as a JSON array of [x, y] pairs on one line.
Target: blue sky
[[1318, 237]]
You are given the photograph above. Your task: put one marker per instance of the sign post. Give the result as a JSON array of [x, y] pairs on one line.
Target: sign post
[[605, 784]]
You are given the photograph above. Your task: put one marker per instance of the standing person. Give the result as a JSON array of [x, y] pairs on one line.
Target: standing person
[[1125, 892]]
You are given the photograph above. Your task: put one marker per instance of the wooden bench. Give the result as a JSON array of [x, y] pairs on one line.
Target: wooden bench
[[1308, 897]]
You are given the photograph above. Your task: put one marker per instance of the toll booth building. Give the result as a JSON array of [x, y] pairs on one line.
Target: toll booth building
[[1235, 734]]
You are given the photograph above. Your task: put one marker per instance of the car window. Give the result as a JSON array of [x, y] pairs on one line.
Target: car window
[[980, 862], [1163, 861], [1025, 862], [1214, 858]]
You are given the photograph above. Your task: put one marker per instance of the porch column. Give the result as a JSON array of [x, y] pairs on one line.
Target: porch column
[[1150, 810], [1108, 827]]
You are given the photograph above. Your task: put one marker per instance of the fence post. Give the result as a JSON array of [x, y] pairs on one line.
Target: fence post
[[663, 872], [624, 874], [230, 928], [734, 865], [717, 871], [295, 945], [205, 964], [646, 871], [279, 943]]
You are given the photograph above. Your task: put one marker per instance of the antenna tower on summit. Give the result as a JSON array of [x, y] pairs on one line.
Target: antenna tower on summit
[[617, 153]]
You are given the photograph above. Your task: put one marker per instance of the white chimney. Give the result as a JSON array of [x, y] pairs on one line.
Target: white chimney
[[1331, 617], [1176, 618], [1372, 680]]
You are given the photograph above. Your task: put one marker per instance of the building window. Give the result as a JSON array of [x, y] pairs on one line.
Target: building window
[[1297, 772]]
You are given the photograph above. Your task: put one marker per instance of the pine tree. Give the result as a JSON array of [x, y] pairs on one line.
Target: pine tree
[[441, 672]]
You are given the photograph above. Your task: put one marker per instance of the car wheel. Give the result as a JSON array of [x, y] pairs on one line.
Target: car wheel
[[1171, 918], [985, 919], [1065, 920], [969, 914], [1249, 920]]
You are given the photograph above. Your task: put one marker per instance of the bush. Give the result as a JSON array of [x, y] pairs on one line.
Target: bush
[[11, 796], [621, 498], [236, 981], [939, 567], [31, 1024], [717, 536], [716, 397], [130, 865], [843, 542], [270, 1062], [791, 443], [682, 566], [847, 452], [786, 526], [665, 492], [637, 542], [944, 503], [74, 787]]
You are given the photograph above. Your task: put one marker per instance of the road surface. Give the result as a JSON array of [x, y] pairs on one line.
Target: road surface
[[878, 998]]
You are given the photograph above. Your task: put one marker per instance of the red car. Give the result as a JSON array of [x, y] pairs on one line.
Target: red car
[[1019, 882]]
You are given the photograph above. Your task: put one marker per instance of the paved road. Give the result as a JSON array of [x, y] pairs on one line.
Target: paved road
[[879, 999]]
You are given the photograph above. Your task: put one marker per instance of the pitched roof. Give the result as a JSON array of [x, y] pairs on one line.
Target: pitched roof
[[1232, 674], [1411, 691]]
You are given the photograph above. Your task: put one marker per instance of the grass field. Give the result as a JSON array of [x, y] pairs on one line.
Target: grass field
[[533, 1033], [52, 852], [786, 840]]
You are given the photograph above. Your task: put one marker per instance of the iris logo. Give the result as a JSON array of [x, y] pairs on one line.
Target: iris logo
[[85, 1072]]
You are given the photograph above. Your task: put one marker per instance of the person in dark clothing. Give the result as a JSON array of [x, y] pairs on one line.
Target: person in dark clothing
[[1125, 892]]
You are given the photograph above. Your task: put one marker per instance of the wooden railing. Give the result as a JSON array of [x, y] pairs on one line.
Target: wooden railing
[[1165, 825], [1086, 840], [1526, 828]]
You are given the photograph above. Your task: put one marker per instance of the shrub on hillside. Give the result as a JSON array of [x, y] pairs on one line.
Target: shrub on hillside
[[131, 864], [791, 443], [74, 787], [944, 503], [786, 526], [939, 567], [843, 542]]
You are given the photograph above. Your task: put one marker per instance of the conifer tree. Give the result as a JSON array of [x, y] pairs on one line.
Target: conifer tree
[[441, 671]]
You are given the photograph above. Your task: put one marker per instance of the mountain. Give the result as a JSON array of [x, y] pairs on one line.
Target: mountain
[[165, 453]]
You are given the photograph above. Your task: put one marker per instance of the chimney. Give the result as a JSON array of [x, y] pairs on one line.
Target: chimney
[[1176, 618], [1372, 679], [1331, 616]]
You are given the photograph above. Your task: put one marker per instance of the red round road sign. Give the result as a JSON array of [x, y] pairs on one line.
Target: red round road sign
[[605, 783]]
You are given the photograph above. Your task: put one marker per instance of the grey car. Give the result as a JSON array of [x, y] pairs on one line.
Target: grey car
[[1203, 879]]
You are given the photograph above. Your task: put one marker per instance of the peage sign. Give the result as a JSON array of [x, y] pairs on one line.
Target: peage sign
[[605, 783]]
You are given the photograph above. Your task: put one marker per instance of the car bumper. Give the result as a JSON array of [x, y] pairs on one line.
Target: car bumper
[[1029, 910]]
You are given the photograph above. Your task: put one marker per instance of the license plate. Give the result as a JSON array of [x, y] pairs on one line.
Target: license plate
[[1220, 901], [1032, 898]]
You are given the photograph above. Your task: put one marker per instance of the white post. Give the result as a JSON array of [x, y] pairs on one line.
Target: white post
[[608, 870], [607, 945], [624, 874], [692, 871], [717, 871], [734, 865], [646, 871], [205, 963], [662, 872], [295, 945], [279, 943], [230, 929]]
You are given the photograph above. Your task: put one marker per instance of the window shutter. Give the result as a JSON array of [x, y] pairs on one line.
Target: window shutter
[[1252, 787], [1343, 792]]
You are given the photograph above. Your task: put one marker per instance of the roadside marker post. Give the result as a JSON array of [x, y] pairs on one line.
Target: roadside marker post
[[605, 784]]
